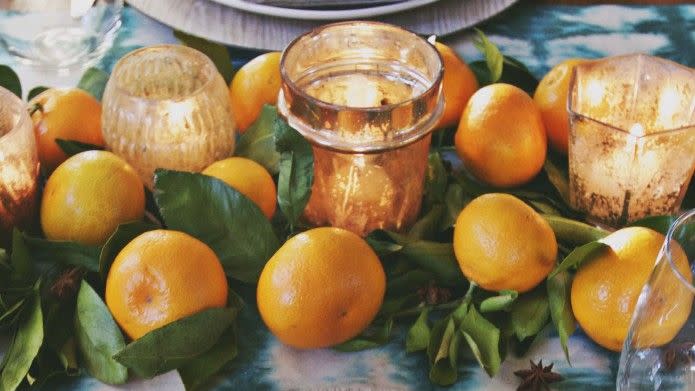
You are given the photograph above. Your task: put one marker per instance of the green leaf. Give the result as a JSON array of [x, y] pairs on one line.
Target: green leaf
[[572, 231], [516, 73], [94, 82], [216, 52], [428, 226], [492, 54], [530, 313], [13, 310], [98, 337], [177, 343], [437, 258], [10, 80], [418, 335], [454, 200], [71, 147], [501, 302], [123, 235], [382, 247], [558, 177], [24, 348], [375, 336], [68, 253], [441, 372], [231, 224], [561, 309], [407, 282], [660, 224], [483, 338], [258, 142], [199, 370], [435, 180], [296, 171], [580, 255], [36, 91], [21, 258], [68, 357]]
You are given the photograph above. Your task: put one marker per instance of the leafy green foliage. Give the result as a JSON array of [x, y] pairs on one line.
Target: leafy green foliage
[[497, 67], [296, 171], [560, 308], [25, 346], [493, 57], [94, 82], [376, 335], [71, 147], [419, 334], [572, 231], [530, 313], [483, 339], [258, 142], [36, 91], [580, 255], [67, 253], [196, 372], [216, 52], [10, 80], [115, 243], [501, 302]]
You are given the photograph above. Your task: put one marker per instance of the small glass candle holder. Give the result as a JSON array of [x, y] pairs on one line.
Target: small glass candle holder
[[168, 107], [19, 166], [367, 96], [632, 137]]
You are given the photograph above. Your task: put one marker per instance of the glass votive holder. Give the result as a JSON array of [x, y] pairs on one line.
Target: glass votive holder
[[367, 96], [167, 107], [632, 137], [19, 166]]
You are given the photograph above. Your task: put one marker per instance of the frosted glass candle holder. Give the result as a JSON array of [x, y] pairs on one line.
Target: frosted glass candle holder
[[167, 107], [632, 137]]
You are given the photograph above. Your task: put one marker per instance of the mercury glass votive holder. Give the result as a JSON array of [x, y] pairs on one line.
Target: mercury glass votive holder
[[167, 107], [19, 166], [367, 96], [632, 137]]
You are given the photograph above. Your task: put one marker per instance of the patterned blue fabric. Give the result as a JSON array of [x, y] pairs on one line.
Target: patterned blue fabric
[[539, 36]]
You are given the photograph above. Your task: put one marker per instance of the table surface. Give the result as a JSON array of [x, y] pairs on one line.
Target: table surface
[[539, 36]]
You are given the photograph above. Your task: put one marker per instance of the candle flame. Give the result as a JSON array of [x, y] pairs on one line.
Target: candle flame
[[595, 90], [669, 106], [637, 130]]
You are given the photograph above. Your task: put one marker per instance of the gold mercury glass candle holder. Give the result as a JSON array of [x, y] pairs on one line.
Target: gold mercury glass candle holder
[[168, 107], [367, 96], [19, 166], [632, 137]]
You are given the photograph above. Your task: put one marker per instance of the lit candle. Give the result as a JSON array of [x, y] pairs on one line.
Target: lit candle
[[18, 166], [632, 137], [367, 96]]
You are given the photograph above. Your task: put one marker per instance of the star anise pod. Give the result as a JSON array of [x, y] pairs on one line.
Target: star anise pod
[[537, 378], [65, 286], [432, 294], [677, 355]]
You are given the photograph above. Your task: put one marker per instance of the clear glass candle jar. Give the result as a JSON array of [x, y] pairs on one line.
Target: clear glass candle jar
[[367, 96], [19, 166], [168, 107]]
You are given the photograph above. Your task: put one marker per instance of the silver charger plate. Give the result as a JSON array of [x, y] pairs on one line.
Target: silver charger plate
[[234, 27]]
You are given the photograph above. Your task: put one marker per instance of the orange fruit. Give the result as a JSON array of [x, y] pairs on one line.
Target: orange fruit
[[501, 138], [162, 276], [458, 84], [88, 196], [321, 288], [68, 114], [255, 84], [249, 178], [551, 98], [502, 243], [606, 288]]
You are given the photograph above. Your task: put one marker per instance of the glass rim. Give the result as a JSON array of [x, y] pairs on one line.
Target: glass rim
[[15, 102], [177, 47], [667, 248]]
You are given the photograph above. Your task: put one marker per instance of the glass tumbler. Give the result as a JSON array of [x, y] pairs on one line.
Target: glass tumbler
[[167, 106], [19, 166], [367, 96], [659, 351], [58, 33]]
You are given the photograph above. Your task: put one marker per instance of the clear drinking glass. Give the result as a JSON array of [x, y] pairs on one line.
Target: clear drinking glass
[[58, 33], [19, 166], [167, 106], [659, 351]]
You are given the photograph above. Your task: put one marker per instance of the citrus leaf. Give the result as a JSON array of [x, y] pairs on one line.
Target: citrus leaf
[[572, 231], [406, 282], [98, 337], [437, 258], [491, 53], [375, 336], [578, 256], [454, 200], [419, 334], [435, 180], [216, 52], [530, 313], [115, 243], [428, 226], [36, 91], [685, 235], [561, 309], [382, 247], [24, 348], [501, 302], [483, 338], [231, 224], [199, 370], [177, 343], [258, 142], [21, 258], [94, 81], [296, 170], [71, 147], [441, 371], [10, 80], [514, 72], [67, 253], [558, 177]]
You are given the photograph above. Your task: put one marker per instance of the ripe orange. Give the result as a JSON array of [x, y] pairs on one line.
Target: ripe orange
[[162, 276], [458, 84], [502, 243], [88, 196], [249, 178], [255, 84], [68, 114], [605, 290], [501, 138], [321, 288], [551, 98]]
